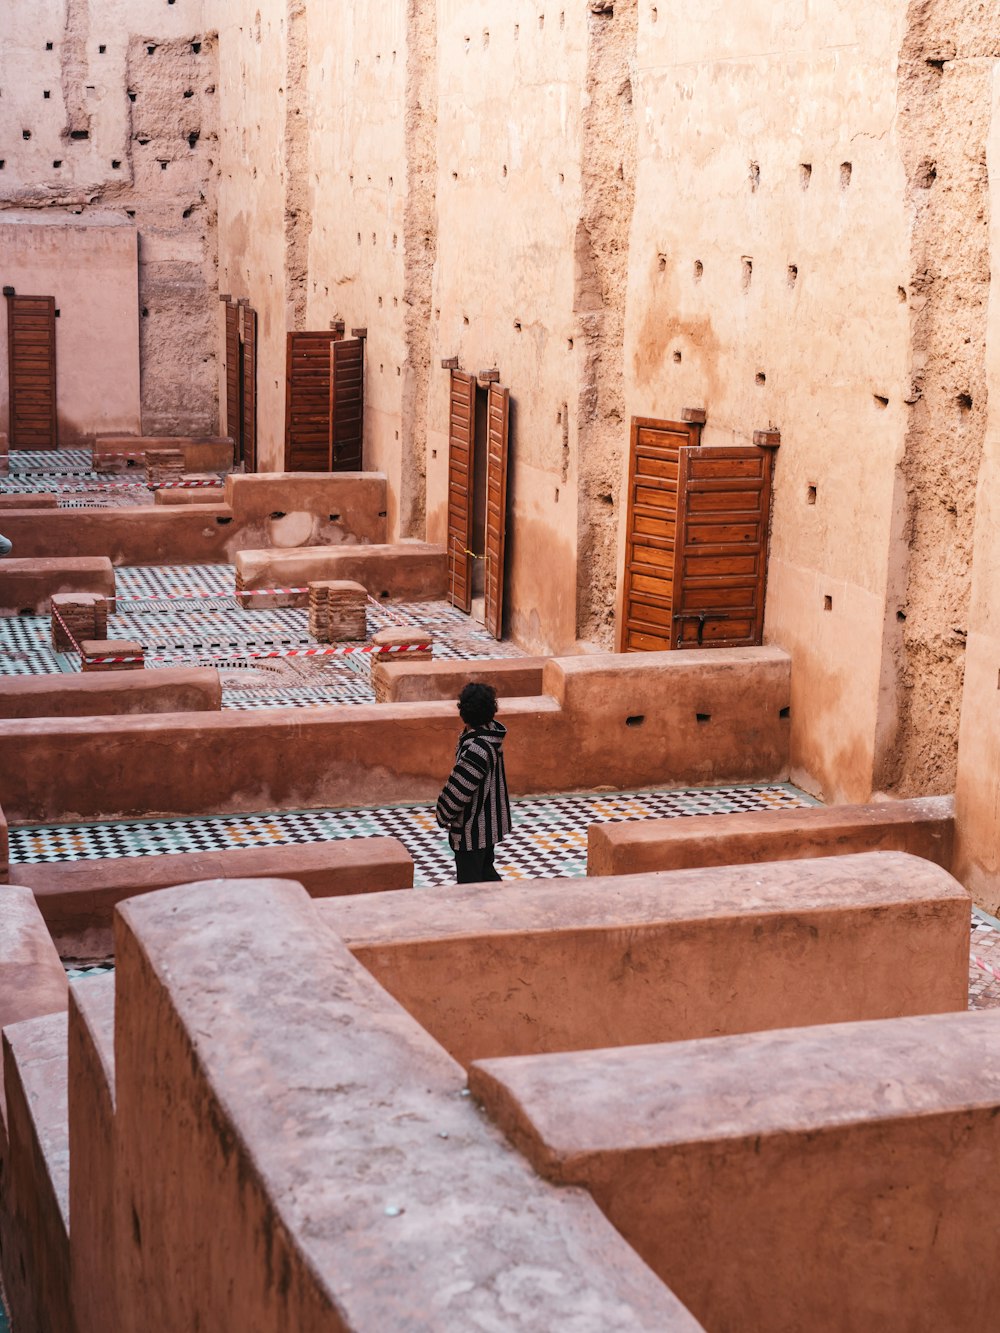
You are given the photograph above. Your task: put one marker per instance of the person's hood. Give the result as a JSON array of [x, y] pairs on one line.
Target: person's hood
[[493, 733]]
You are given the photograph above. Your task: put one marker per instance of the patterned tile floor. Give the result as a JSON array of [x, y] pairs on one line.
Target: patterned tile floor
[[70, 475]]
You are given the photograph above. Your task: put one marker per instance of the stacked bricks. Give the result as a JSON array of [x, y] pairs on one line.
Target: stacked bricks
[[100, 648], [399, 636], [164, 465], [83, 615], [337, 611]]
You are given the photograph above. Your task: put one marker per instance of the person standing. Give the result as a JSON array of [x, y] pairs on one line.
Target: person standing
[[474, 805]]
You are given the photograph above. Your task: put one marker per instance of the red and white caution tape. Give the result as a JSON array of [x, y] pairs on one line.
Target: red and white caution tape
[[985, 966], [182, 485], [374, 649], [202, 593], [66, 630]]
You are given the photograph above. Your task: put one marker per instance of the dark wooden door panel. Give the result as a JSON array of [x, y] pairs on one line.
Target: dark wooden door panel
[[234, 415], [31, 339], [347, 404], [248, 414], [307, 401], [720, 571], [498, 432], [460, 452]]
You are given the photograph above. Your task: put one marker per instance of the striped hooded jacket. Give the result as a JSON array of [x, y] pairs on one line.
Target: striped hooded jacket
[[474, 806]]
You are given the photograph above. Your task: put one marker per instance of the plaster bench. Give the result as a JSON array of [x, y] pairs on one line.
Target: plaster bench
[[78, 898], [332, 1134], [27, 586], [543, 965], [411, 682], [924, 827], [38, 500], [825, 1178], [408, 571], [72, 694]]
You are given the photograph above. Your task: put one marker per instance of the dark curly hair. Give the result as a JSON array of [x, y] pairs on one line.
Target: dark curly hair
[[477, 704]]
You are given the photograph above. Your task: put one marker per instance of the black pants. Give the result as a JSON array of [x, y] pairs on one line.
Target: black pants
[[476, 867]]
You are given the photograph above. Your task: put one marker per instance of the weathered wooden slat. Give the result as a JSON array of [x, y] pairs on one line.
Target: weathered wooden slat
[[497, 445], [460, 443], [31, 324]]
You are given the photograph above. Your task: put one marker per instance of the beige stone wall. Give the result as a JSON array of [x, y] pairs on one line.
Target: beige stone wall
[[978, 784], [89, 264], [118, 104]]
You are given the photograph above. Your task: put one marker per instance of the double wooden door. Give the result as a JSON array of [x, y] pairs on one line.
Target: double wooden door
[[31, 347], [241, 382], [696, 542], [324, 402], [461, 497]]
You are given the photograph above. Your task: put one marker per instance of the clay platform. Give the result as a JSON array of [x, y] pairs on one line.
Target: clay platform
[[26, 586]]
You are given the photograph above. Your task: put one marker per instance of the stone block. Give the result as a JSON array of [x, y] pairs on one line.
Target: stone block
[[338, 611], [76, 617], [100, 649], [401, 680]]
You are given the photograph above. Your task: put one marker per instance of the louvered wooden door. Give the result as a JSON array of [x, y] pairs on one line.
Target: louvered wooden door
[[307, 401], [31, 336], [498, 431], [233, 380], [647, 604], [720, 568], [347, 404], [248, 404], [461, 431]]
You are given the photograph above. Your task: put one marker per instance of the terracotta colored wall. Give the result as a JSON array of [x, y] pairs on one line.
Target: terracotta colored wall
[[90, 266], [149, 158], [978, 787], [837, 1168], [575, 737], [230, 1224], [562, 965], [71, 694]]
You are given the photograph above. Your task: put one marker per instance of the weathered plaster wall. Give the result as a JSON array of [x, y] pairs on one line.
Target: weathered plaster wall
[[509, 203], [977, 794], [254, 97], [767, 284], [113, 105], [89, 264], [358, 122]]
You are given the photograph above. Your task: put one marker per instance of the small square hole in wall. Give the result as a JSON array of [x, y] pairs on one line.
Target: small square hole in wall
[[828, 603], [46, 94], [810, 494], [48, 46], [101, 49]]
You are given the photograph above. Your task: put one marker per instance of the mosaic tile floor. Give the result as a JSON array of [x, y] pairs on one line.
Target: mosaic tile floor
[[549, 837], [186, 615], [70, 474]]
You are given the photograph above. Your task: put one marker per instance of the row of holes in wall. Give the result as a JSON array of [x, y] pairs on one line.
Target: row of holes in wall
[[637, 719], [805, 175], [102, 48], [746, 273]]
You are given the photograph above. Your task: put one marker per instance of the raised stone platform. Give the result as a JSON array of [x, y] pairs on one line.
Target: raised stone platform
[[408, 681], [924, 827], [27, 586], [68, 694], [407, 571]]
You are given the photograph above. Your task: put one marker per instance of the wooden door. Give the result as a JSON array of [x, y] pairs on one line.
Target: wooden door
[[460, 452], [31, 338], [233, 379], [307, 401], [497, 435], [720, 569], [647, 599], [347, 404], [248, 404]]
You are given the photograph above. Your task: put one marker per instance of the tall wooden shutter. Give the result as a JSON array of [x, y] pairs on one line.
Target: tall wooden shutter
[[460, 498], [498, 430], [233, 411], [307, 401], [720, 569], [248, 415], [347, 404], [31, 335], [647, 604]]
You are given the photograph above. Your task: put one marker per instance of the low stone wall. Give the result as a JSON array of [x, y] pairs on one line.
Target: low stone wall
[[211, 454], [642, 720], [925, 827], [68, 694], [27, 586], [838, 1170], [574, 964], [403, 681], [406, 571], [77, 899]]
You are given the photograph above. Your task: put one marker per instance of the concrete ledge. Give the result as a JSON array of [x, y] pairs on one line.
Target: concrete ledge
[[214, 453], [68, 694], [406, 572], [245, 1078], [569, 964], [77, 898], [193, 495], [34, 1209], [923, 827], [26, 586], [36, 501], [91, 1065], [409, 682], [838, 1170]]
